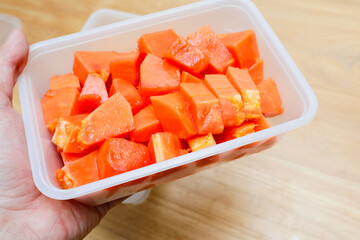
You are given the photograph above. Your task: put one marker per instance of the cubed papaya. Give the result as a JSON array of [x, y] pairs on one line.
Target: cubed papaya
[[270, 98], [236, 132], [241, 80], [165, 145], [146, 124], [158, 77], [243, 46], [173, 113], [111, 119], [206, 40], [156, 43], [65, 80], [79, 172], [127, 67], [118, 155], [129, 92], [86, 62], [58, 103], [187, 77], [187, 57], [93, 94], [256, 71], [232, 107], [204, 107], [201, 142]]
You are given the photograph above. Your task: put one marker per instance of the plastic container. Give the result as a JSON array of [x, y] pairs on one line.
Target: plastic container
[[105, 16], [55, 56]]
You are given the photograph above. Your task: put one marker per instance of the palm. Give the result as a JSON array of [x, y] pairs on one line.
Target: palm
[[21, 204]]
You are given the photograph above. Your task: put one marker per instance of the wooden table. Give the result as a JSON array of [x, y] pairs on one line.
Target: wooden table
[[306, 187]]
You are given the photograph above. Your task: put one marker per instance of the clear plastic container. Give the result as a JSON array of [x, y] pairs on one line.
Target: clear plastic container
[[55, 56]]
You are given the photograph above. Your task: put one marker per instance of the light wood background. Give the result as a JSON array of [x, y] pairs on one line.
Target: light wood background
[[306, 187]]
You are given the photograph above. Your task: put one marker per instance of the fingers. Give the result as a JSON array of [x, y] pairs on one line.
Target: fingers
[[13, 58], [104, 208]]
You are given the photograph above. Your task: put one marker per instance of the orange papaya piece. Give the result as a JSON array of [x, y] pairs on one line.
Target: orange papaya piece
[[62, 133], [118, 155], [165, 145], [270, 98], [232, 107], [236, 132], [93, 94], [187, 57], [146, 124], [65, 80], [243, 83], [126, 66], [201, 142], [129, 92], [58, 103], [206, 40], [70, 157], [86, 62], [113, 118], [156, 43], [256, 71], [173, 114], [76, 119], [158, 77], [79, 172], [243, 46], [187, 77], [261, 123], [66, 132], [204, 107]]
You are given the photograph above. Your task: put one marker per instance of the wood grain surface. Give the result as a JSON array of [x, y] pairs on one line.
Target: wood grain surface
[[306, 187]]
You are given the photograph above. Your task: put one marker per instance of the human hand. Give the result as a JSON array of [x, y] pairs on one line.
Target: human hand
[[25, 213]]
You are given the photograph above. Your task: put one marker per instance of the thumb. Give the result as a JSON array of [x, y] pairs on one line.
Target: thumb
[[13, 58]]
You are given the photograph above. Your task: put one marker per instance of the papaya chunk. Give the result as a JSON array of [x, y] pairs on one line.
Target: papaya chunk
[[118, 155], [204, 107], [187, 77], [270, 98], [93, 94], [164, 146], [58, 103], [243, 46], [70, 157], [243, 83], [86, 62], [129, 92], [173, 113], [206, 40], [232, 107], [187, 57], [111, 119], [236, 132], [66, 132], [146, 124], [201, 142], [126, 66], [261, 123], [79, 172], [156, 43], [158, 77], [256, 71], [65, 80]]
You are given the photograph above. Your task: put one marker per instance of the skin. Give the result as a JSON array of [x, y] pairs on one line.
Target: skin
[[24, 212]]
